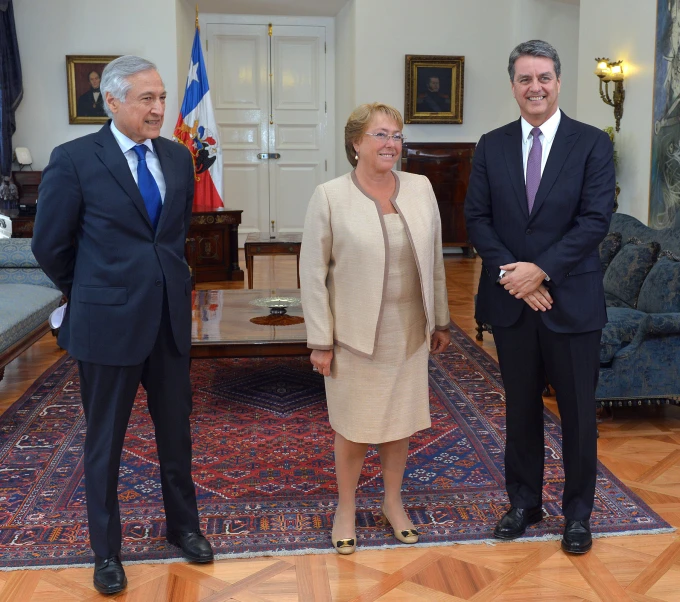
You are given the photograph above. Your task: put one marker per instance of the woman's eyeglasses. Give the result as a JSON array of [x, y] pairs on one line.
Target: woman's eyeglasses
[[383, 137]]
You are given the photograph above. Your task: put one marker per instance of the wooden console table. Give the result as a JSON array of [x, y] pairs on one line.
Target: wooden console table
[[448, 166], [216, 236], [262, 244]]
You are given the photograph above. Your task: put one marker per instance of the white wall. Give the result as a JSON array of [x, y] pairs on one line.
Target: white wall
[[47, 31], [622, 29], [556, 22], [345, 90], [375, 35], [186, 28]]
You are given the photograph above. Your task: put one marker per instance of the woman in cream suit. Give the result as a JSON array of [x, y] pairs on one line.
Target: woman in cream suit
[[375, 304]]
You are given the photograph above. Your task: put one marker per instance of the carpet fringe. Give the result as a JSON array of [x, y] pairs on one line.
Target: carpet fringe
[[330, 550]]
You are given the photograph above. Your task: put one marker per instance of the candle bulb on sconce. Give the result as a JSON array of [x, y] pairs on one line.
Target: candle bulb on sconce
[[608, 71]]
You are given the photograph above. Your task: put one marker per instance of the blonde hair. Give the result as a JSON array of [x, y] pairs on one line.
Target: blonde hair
[[358, 121]]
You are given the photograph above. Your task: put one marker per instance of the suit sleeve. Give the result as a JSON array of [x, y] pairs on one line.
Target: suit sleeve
[[315, 257], [190, 191], [442, 318], [60, 201], [592, 222], [479, 218]]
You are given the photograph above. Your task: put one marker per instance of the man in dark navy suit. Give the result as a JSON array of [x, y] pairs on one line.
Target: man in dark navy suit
[[538, 204], [113, 214]]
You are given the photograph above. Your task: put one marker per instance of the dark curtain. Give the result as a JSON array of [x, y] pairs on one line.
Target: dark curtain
[[11, 90]]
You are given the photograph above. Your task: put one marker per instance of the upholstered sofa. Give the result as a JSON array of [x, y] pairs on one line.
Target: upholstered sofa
[[27, 297], [640, 345]]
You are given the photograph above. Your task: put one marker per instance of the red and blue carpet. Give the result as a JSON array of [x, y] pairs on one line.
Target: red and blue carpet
[[263, 466]]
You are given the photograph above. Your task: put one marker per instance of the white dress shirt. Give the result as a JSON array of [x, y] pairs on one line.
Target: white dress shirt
[[152, 161], [547, 135]]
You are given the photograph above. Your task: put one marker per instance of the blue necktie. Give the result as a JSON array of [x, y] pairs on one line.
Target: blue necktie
[[147, 185]]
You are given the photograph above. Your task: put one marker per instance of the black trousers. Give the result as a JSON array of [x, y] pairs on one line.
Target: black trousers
[[527, 352], [108, 393]]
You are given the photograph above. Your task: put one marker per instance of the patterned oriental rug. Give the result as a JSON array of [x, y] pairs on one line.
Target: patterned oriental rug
[[263, 467]]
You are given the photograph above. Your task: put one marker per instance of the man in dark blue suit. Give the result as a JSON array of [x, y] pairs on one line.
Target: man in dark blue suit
[[538, 204], [113, 214]]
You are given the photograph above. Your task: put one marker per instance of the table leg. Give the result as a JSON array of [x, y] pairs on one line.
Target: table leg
[[249, 267], [298, 268]]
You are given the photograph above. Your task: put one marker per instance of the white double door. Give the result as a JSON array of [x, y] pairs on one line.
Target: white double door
[[268, 88]]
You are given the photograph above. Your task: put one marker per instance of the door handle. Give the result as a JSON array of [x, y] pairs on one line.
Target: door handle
[[269, 156]]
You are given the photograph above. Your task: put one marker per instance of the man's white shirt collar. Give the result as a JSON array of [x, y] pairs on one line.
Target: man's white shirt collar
[[548, 128], [125, 143]]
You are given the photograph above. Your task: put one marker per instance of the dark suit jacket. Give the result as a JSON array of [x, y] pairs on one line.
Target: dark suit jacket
[[570, 217], [88, 107], [94, 239]]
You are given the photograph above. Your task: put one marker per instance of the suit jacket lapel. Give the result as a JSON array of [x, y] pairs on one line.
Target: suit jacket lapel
[[167, 167], [512, 149], [112, 157], [565, 137]]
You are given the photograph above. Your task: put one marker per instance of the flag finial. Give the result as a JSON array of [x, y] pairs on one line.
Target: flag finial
[[197, 26]]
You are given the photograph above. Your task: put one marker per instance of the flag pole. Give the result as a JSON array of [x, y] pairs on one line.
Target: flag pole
[[197, 25]]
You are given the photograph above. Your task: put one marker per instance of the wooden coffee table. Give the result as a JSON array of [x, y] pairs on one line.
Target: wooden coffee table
[[262, 244], [221, 326]]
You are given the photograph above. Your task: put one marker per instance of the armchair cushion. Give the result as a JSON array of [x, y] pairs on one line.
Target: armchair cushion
[[619, 331], [16, 253], [660, 292], [627, 271], [609, 247]]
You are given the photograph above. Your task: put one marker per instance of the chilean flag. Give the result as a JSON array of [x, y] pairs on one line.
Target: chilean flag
[[196, 129]]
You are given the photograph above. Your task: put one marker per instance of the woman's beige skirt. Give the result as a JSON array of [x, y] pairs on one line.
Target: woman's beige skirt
[[386, 398]]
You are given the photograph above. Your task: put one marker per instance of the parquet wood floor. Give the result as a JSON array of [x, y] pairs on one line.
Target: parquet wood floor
[[641, 446]]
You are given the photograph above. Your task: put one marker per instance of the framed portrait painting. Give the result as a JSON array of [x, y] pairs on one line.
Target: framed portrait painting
[[83, 75], [434, 89]]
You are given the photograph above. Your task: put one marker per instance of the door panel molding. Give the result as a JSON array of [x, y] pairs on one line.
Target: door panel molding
[[300, 100]]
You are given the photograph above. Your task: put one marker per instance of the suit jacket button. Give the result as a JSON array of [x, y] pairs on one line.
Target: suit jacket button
[[159, 283], [528, 231]]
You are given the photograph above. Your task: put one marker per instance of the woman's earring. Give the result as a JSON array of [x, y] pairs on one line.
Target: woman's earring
[[356, 156]]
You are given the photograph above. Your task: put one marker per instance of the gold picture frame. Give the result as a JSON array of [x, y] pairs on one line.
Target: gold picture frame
[[434, 89], [85, 106]]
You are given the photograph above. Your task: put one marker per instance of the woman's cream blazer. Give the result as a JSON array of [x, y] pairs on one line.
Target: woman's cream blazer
[[344, 261]]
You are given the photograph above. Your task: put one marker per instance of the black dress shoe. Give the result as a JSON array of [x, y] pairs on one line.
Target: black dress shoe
[[515, 521], [577, 538], [109, 576], [195, 547]]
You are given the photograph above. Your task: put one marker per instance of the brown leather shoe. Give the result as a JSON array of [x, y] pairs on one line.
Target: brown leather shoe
[[109, 576], [195, 547]]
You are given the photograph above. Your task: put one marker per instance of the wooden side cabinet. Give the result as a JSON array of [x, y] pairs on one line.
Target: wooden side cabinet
[[216, 236], [447, 165]]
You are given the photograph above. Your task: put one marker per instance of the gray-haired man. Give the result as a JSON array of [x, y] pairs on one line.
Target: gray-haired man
[[538, 204], [113, 214]]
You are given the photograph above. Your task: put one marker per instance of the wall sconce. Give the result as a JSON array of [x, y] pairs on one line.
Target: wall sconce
[[612, 72]]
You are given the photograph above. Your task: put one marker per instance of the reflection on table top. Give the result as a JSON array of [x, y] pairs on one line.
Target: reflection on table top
[[222, 317]]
